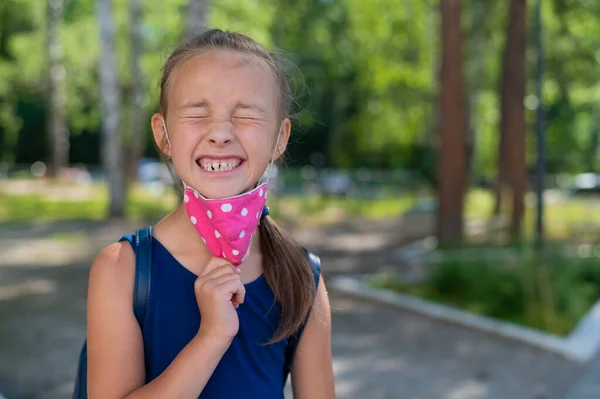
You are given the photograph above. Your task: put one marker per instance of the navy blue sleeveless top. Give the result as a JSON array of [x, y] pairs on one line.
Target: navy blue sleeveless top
[[249, 368]]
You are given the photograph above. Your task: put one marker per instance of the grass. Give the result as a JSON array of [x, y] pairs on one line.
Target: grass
[[563, 217], [319, 209], [58, 204], [551, 292], [59, 201]]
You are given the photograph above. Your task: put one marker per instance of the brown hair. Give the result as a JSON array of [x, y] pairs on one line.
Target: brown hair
[[286, 266]]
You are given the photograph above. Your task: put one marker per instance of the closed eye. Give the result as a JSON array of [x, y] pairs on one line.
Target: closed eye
[[248, 118], [197, 117]]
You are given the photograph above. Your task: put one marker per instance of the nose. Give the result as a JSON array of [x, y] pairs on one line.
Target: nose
[[221, 134]]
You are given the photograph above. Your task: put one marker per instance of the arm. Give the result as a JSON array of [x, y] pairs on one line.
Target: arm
[[115, 346], [312, 371]]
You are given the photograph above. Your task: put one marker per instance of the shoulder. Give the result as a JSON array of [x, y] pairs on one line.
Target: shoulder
[[321, 309], [114, 340], [115, 258], [312, 373], [113, 267]]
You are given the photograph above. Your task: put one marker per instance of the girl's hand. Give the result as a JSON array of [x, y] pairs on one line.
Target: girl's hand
[[219, 291]]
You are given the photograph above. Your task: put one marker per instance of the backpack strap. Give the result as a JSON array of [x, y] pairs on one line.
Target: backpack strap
[[143, 273], [290, 350]]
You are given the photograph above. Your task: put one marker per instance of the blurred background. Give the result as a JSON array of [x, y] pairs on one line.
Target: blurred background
[[443, 150]]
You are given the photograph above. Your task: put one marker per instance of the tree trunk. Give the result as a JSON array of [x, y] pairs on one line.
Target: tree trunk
[[112, 157], [499, 186], [475, 75], [513, 111], [58, 133], [452, 154], [137, 109], [591, 151], [197, 16]]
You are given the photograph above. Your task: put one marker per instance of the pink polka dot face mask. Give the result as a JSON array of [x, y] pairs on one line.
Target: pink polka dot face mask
[[226, 225]]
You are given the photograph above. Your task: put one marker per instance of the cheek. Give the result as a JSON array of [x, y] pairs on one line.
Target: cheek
[[258, 149], [183, 141]]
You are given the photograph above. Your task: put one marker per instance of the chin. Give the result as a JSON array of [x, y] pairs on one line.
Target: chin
[[221, 190]]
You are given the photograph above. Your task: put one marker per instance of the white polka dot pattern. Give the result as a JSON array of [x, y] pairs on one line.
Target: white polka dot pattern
[[225, 225]]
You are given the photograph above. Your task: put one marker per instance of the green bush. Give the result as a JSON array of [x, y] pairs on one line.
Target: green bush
[[549, 291]]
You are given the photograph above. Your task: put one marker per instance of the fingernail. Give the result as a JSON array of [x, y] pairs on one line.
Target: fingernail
[[237, 270]]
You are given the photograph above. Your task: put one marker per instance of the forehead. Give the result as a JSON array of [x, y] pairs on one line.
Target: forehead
[[223, 78]]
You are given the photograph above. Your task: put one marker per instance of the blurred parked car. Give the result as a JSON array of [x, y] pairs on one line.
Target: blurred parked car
[[336, 183], [152, 170], [586, 183]]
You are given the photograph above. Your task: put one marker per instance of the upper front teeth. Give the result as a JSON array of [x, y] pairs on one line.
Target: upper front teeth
[[219, 166]]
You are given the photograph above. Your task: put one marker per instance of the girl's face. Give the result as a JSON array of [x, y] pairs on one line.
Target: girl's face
[[223, 121]]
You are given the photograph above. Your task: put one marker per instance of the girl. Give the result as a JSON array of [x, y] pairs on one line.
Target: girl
[[213, 329]]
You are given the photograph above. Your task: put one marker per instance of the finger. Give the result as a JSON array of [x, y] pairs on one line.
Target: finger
[[225, 278], [215, 274], [235, 289], [213, 264], [216, 263], [225, 270], [239, 295]]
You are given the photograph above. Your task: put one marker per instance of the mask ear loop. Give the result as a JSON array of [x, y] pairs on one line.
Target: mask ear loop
[[166, 132], [170, 146], [271, 162], [265, 211]]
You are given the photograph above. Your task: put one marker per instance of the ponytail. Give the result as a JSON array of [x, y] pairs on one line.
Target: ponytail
[[289, 276]]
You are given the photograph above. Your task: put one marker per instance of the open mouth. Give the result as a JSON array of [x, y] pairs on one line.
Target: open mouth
[[219, 165]]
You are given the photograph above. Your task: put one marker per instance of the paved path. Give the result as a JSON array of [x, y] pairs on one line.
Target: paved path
[[588, 387], [379, 352]]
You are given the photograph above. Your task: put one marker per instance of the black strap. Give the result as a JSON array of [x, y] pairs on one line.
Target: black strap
[[143, 273], [290, 350]]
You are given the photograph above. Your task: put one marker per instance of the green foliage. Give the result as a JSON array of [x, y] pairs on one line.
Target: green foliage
[[371, 71], [551, 292]]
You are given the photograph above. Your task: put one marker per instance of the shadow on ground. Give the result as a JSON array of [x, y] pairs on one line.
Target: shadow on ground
[[42, 310]]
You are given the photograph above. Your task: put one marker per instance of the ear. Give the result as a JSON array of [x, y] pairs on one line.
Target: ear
[[160, 136], [286, 127]]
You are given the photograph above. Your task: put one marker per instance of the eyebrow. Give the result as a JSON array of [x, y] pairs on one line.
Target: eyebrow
[[197, 104], [241, 105]]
